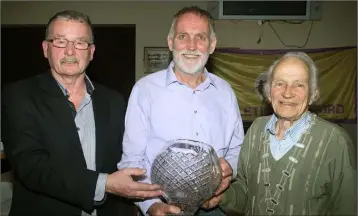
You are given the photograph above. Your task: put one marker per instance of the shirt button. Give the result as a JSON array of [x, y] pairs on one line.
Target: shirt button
[[197, 134], [195, 111]]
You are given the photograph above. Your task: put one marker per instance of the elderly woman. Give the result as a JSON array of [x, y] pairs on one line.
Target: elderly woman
[[293, 162]]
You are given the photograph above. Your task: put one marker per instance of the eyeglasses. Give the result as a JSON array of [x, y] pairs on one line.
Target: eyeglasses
[[62, 43]]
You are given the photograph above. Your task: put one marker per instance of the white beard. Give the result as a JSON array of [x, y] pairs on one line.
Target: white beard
[[187, 65]]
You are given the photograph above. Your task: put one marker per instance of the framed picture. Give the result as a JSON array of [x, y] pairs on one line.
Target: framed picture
[[156, 59]]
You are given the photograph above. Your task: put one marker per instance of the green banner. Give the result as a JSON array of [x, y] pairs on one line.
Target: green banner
[[337, 80]]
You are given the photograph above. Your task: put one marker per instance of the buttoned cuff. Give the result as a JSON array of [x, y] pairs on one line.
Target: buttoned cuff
[[145, 205], [100, 187]]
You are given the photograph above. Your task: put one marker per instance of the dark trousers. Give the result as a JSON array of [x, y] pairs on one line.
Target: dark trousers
[[214, 212]]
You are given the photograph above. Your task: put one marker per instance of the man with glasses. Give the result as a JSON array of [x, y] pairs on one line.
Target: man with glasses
[[62, 133], [62, 43]]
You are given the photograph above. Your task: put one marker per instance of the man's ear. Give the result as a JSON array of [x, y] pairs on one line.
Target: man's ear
[[267, 92], [92, 49], [314, 97], [44, 48], [170, 42], [212, 45]]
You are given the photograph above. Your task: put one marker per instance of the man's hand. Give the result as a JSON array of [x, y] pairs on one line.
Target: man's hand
[[159, 209], [121, 183], [225, 182], [212, 202], [226, 176]]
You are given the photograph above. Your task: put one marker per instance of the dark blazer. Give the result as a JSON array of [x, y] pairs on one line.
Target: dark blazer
[[41, 142]]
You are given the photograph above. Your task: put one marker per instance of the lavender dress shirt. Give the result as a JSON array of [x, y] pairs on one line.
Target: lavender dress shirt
[[161, 108]]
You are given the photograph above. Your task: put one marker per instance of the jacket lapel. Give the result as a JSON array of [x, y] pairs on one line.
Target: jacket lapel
[[101, 116], [58, 104]]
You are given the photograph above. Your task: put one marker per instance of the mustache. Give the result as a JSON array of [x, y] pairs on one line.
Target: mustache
[[69, 60], [189, 52]]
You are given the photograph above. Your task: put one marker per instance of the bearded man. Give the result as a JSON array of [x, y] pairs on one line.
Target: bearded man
[[183, 101]]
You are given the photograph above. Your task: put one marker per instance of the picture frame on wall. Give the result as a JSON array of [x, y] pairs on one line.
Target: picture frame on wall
[[156, 59]]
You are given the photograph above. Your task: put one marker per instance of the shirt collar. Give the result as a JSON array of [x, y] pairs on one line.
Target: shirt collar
[[171, 78], [89, 86], [295, 130]]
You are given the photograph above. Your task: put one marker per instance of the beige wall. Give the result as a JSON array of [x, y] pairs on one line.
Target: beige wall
[[338, 26]]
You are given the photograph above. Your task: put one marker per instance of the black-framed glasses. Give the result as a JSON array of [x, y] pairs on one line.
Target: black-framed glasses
[[62, 43]]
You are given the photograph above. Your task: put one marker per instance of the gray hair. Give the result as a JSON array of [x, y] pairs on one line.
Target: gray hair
[[195, 10], [312, 74], [73, 16]]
